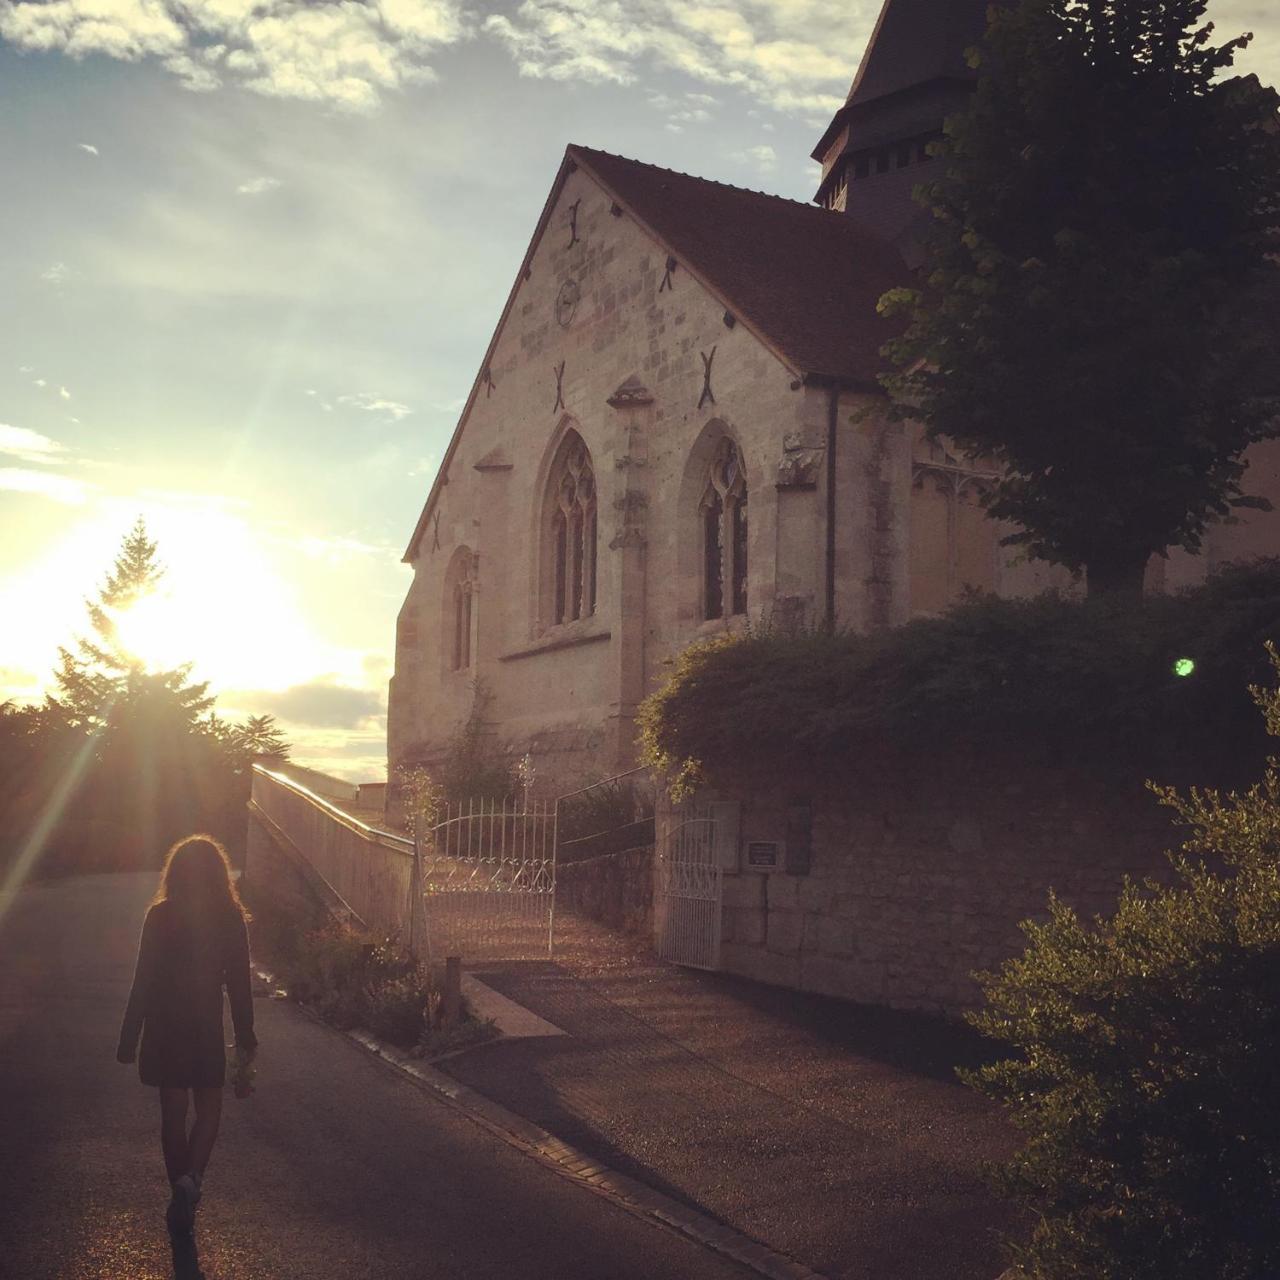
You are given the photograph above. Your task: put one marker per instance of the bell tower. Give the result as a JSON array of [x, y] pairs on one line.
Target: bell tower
[[912, 76]]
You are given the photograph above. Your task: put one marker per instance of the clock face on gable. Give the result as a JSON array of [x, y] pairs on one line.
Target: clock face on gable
[[567, 303]]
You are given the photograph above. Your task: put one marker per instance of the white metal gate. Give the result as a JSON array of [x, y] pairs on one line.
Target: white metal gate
[[687, 893], [487, 872]]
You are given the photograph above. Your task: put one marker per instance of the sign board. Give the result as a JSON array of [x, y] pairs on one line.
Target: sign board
[[763, 855]]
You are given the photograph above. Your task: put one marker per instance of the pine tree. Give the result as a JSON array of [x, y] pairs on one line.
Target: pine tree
[[1097, 311], [103, 678], [254, 738]]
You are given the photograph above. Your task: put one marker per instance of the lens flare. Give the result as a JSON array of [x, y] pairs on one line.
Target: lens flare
[[1184, 666]]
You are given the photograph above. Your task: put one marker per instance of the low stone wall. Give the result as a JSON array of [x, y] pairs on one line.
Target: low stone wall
[[615, 889], [895, 883], [275, 873]]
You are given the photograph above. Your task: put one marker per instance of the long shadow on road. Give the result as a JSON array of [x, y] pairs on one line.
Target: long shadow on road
[[834, 1133]]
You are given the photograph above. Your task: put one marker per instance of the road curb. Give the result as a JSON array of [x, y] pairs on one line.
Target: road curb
[[568, 1162]]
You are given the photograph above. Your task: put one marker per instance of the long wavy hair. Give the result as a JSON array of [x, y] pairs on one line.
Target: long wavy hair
[[197, 879]]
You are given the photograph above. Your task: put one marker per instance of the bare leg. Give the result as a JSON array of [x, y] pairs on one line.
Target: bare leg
[[204, 1133], [173, 1132]]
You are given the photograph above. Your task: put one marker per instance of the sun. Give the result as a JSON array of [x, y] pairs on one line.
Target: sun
[[226, 604], [153, 633]]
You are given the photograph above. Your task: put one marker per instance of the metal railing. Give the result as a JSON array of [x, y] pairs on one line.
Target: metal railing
[[688, 892], [371, 870], [488, 876]]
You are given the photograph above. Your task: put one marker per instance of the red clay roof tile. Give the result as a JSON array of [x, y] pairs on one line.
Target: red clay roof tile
[[807, 280]]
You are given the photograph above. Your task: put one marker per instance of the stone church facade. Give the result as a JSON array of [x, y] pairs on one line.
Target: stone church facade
[[677, 431]]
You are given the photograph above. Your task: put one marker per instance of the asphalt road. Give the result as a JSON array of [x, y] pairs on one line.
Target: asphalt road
[[337, 1167]]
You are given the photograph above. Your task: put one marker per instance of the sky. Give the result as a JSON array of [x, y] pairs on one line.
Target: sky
[[251, 254]]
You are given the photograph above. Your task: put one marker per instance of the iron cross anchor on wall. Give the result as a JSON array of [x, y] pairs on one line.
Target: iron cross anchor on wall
[[707, 393], [573, 223], [559, 404], [435, 533]]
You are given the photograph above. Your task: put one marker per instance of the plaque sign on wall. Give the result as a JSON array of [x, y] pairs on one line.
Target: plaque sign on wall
[[763, 855]]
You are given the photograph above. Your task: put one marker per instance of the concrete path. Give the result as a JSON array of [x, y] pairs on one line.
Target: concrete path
[[834, 1134], [337, 1167]]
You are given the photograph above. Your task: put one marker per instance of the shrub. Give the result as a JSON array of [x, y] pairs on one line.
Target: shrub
[[606, 818], [353, 980], [396, 1009], [326, 960], [1145, 1057], [1051, 678], [436, 1040], [342, 1007]]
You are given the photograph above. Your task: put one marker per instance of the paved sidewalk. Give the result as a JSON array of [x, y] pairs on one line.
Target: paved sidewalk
[[834, 1133]]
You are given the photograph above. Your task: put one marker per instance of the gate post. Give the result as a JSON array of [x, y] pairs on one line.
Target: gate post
[[555, 857]]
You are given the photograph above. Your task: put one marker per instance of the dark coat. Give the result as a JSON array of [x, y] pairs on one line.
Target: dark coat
[[176, 1001]]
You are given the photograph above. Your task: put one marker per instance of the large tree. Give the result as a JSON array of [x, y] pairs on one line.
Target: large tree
[[102, 681], [162, 762], [1098, 309]]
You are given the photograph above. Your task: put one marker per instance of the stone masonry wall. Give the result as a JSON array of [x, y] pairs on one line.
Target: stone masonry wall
[[615, 889], [567, 692], [276, 876], [920, 873]]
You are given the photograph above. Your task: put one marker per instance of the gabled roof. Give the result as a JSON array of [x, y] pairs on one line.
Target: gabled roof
[[805, 281], [916, 44], [916, 41]]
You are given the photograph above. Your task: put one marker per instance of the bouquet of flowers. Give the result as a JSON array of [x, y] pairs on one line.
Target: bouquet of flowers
[[241, 1071]]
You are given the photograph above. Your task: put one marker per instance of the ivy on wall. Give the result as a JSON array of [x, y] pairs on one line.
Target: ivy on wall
[[1161, 687]]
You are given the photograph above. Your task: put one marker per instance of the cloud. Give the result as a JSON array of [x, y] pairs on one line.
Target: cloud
[[319, 703], [752, 46], [256, 186], [46, 484], [338, 52], [335, 549], [41, 382], [29, 446], [683, 109], [57, 273], [63, 393], [764, 157], [89, 147], [371, 402]]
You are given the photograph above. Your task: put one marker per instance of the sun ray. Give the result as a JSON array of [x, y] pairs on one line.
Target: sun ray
[[38, 838]]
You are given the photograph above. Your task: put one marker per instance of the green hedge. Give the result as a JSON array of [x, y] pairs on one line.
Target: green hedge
[[1052, 679], [1139, 1059]]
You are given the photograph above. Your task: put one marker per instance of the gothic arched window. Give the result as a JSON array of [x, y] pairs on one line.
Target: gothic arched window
[[462, 626], [724, 534], [459, 591], [573, 532]]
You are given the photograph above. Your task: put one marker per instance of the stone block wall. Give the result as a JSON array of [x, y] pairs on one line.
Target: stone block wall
[[920, 872], [566, 692], [275, 874], [615, 889]]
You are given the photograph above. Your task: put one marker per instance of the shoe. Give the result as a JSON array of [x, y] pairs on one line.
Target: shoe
[[175, 1216]]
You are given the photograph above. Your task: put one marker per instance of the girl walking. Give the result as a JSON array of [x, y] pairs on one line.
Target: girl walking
[[194, 942]]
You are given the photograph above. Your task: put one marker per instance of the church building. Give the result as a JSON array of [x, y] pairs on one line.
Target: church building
[[677, 430]]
